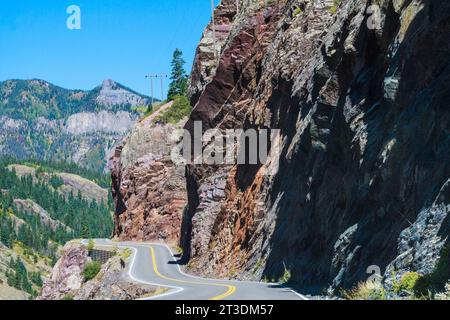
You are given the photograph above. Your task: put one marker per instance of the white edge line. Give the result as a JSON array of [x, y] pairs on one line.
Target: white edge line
[[222, 280], [131, 267], [177, 289], [196, 277]]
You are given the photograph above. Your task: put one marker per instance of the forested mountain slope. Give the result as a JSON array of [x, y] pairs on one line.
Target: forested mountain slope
[[41, 208], [42, 121]]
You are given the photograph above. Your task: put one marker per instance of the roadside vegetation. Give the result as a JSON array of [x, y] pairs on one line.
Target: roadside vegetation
[[411, 285], [286, 276], [181, 106], [91, 270], [180, 109]]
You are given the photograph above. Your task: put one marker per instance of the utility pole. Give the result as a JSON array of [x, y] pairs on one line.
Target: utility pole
[[156, 76], [162, 86], [151, 88]]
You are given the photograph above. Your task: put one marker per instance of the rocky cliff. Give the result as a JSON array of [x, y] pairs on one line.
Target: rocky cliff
[[149, 190], [359, 90], [67, 280]]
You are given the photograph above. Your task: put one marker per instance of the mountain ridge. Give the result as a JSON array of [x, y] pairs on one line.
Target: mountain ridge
[[43, 121], [37, 93]]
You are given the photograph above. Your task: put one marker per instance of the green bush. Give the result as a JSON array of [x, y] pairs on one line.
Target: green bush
[[286, 276], [435, 281], [422, 286], [91, 270], [181, 108], [335, 6], [297, 11], [126, 254], [407, 283], [441, 273], [36, 278], [369, 290], [91, 245]]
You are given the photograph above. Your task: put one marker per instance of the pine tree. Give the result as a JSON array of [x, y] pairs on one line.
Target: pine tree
[[86, 233], [179, 78], [5, 236]]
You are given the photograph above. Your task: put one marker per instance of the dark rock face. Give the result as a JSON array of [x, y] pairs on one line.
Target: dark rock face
[[365, 162]]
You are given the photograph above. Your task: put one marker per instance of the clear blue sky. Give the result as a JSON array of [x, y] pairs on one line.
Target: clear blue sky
[[119, 39]]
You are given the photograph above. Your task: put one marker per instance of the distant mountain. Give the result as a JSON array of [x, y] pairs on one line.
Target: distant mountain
[[45, 122], [29, 99]]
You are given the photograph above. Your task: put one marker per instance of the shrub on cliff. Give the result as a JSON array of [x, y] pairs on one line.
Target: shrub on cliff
[[91, 270], [181, 108], [286, 276], [407, 283], [436, 281], [91, 245], [369, 290]]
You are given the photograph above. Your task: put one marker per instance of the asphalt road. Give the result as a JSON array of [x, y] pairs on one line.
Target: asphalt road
[[155, 264]]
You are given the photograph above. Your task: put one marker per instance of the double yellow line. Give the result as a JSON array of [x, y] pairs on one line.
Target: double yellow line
[[229, 292]]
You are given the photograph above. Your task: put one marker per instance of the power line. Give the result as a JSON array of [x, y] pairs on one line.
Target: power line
[[151, 88], [156, 76]]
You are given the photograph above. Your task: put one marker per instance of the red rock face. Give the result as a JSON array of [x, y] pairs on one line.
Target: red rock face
[[67, 275], [220, 213], [205, 61], [148, 189], [153, 202]]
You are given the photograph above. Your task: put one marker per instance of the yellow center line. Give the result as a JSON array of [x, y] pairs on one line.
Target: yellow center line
[[230, 291]]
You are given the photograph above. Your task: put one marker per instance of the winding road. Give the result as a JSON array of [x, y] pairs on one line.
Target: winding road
[[155, 264]]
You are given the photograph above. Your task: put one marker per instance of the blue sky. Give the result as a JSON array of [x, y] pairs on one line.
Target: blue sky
[[119, 39]]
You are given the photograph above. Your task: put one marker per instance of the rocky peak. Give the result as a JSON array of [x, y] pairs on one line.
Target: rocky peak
[[108, 84], [113, 94]]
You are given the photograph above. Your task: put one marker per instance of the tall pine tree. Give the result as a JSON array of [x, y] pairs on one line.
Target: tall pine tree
[[179, 78]]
